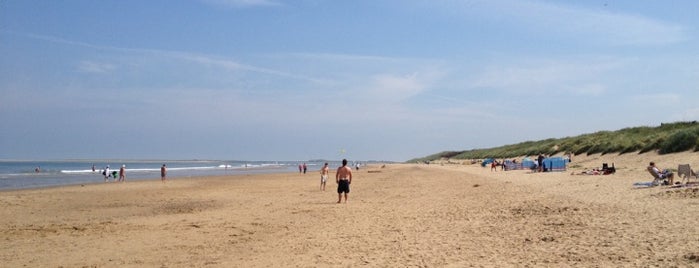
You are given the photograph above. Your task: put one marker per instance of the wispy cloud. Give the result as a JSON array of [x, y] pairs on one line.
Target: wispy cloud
[[541, 76], [243, 3], [603, 27], [232, 65], [657, 100], [95, 67], [223, 64], [597, 26]]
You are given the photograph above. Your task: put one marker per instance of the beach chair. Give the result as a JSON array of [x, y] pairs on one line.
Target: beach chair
[[685, 172], [656, 177]]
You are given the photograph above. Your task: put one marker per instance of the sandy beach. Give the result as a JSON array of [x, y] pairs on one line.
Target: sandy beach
[[403, 215]]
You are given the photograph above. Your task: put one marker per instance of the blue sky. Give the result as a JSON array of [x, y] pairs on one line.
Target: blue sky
[[309, 79]]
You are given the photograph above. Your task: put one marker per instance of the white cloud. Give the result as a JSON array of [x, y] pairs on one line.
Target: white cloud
[[388, 86]]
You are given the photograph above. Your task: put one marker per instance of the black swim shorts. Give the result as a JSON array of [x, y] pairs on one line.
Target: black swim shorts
[[343, 187]]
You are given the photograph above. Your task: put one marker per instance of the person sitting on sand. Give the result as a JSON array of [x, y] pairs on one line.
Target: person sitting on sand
[[662, 174]]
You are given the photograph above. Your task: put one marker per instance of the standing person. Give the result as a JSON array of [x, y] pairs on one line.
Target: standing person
[[93, 168], [106, 173], [540, 161], [122, 173], [300, 168], [343, 177], [163, 173], [324, 176], [304, 168]]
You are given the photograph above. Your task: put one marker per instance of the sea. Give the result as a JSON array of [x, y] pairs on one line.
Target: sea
[[22, 174]]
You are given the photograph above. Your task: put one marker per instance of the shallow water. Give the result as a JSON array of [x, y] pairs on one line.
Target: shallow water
[[36, 174]]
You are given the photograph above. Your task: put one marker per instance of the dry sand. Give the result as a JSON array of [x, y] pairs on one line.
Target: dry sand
[[400, 216]]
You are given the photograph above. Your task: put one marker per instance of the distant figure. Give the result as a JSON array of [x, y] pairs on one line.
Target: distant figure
[[93, 168], [324, 176], [540, 161], [343, 177], [37, 169], [163, 173], [300, 168], [106, 173], [663, 174], [304, 168], [356, 165], [494, 166], [122, 173]]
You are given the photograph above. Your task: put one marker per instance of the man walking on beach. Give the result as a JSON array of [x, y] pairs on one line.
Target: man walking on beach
[[163, 173], [324, 176], [122, 173], [343, 177]]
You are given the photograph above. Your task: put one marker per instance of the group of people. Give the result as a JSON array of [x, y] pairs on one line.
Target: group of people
[[107, 173], [122, 173], [343, 178]]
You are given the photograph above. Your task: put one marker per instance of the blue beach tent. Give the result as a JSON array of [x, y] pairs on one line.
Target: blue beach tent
[[487, 161], [555, 163]]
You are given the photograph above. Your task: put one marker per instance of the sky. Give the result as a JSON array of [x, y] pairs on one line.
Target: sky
[[327, 79]]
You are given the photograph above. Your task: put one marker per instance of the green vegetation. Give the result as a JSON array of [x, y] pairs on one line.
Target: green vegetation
[[665, 139]]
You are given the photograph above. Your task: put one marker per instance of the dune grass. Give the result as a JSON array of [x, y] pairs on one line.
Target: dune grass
[[666, 138]]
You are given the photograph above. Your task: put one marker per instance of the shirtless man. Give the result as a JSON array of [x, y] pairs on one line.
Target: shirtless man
[[324, 176], [343, 177]]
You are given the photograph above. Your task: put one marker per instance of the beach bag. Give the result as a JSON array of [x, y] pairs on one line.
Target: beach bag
[[104, 173]]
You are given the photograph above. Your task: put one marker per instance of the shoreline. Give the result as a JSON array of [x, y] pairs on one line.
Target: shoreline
[[401, 215]]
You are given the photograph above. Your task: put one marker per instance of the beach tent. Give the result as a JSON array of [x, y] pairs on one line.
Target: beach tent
[[487, 161], [555, 163], [509, 165], [528, 163]]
